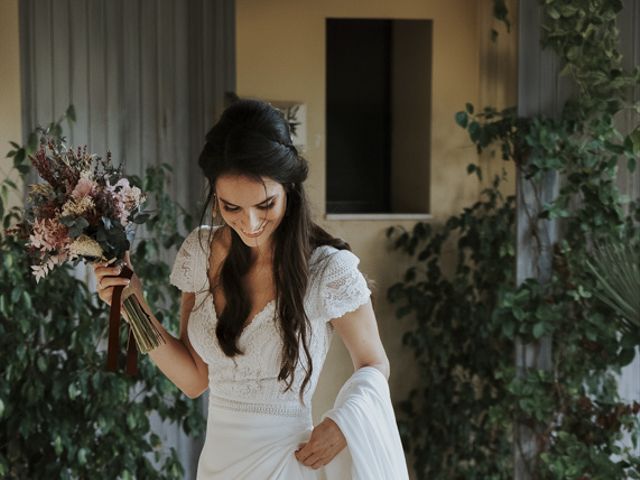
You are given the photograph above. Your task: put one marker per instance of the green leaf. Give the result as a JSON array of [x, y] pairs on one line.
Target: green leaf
[[57, 445], [143, 217], [74, 391], [42, 364], [474, 131], [27, 300], [626, 356], [462, 119], [71, 113], [82, 456], [33, 142], [508, 329], [131, 421], [538, 330]]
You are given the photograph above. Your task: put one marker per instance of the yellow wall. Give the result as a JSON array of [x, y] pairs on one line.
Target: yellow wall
[[281, 56], [10, 111]]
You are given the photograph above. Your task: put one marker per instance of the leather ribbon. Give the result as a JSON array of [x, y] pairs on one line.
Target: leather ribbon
[[114, 332]]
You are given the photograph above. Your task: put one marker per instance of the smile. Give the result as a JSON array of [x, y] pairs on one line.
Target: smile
[[253, 235]]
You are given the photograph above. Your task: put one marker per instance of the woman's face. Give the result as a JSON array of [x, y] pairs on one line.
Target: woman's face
[[251, 210]]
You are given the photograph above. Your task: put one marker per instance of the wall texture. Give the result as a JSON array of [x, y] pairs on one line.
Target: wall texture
[[10, 113]]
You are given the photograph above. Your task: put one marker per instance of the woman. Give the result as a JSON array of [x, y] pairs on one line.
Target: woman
[[262, 294]]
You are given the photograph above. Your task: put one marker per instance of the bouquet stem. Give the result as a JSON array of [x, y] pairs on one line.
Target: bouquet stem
[[144, 331], [145, 335]]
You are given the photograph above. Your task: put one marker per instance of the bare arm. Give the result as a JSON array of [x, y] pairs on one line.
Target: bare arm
[[176, 358], [359, 332]]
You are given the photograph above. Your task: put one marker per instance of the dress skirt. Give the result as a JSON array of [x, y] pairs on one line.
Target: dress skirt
[[257, 442]]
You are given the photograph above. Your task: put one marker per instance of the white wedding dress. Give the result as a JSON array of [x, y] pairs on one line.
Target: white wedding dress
[[253, 425]]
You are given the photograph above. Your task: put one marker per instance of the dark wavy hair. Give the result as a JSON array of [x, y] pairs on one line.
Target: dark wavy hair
[[252, 138]]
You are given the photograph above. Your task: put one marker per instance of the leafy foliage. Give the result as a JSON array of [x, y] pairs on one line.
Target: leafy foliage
[[61, 414], [573, 407], [446, 422], [617, 268]]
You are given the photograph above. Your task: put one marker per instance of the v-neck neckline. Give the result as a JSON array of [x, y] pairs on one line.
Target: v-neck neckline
[[253, 319], [262, 311]]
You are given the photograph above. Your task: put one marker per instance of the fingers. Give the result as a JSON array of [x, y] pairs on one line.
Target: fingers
[[312, 456], [325, 442], [106, 279], [102, 272]]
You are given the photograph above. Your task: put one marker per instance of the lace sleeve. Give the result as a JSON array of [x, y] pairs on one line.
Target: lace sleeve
[[183, 271], [344, 288]]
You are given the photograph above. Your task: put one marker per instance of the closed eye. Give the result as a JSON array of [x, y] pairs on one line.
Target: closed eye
[[261, 207]]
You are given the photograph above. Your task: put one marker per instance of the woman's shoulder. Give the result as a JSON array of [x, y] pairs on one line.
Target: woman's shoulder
[[328, 262], [205, 235], [189, 272]]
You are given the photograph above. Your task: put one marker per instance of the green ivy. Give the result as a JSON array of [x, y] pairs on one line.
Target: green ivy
[[446, 421], [62, 415], [469, 320]]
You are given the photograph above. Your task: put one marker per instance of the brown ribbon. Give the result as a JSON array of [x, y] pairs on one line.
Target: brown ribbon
[[114, 332]]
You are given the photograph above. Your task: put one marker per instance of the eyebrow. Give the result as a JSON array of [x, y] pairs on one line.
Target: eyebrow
[[257, 204]]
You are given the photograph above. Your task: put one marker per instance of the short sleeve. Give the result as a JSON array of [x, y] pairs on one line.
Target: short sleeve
[[343, 287], [183, 271]]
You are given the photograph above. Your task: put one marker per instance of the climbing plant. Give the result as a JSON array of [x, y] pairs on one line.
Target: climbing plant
[[62, 415], [469, 321]]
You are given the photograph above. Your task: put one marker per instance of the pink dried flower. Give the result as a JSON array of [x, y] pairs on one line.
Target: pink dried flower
[[41, 271], [84, 188], [49, 235]]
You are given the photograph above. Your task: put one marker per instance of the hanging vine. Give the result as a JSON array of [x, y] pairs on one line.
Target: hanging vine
[[460, 422]]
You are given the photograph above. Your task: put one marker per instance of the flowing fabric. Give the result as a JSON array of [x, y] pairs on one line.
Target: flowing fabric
[[254, 424], [364, 413], [242, 444]]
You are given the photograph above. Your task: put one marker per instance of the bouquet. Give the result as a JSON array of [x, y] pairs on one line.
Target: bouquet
[[86, 210]]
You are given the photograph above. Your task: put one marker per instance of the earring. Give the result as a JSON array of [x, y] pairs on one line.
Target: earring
[[216, 210]]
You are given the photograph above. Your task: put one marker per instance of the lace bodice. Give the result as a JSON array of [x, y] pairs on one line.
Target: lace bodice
[[250, 381]]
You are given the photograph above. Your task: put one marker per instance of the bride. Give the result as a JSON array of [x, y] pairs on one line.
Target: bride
[[263, 291]]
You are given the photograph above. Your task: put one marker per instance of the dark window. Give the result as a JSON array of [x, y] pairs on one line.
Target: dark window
[[378, 104]]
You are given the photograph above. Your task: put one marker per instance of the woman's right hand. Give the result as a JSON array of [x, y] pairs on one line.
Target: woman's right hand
[[106, 279]]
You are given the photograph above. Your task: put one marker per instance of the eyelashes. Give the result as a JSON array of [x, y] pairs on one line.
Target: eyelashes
[[268, 206]]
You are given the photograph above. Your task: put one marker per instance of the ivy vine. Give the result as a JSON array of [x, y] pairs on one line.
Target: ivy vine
[[461, 421]]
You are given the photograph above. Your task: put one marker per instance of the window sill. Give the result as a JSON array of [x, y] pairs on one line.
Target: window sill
[[396, 217]]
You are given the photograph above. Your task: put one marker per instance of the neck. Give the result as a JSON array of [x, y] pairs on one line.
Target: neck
[[263, 255]]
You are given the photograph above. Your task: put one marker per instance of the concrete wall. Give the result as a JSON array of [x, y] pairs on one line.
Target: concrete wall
[[281, 56], [10, 101]]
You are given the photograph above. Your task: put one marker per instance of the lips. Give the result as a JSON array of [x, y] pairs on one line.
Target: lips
[[254, 234]]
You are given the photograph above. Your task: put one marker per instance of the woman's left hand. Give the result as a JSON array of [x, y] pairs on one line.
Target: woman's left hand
[[326, 442]]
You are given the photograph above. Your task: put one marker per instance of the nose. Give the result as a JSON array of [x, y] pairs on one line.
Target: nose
[[252, 222]]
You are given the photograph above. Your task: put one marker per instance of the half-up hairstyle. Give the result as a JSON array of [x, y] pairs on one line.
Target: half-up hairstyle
[[253, 139]]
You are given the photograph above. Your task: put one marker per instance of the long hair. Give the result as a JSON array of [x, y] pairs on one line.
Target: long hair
[[253, 139]]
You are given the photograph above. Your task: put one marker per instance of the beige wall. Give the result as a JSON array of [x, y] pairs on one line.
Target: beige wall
[[10, 113], [280, 56]]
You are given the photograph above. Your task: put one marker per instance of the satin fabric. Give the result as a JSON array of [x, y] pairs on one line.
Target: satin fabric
[[364, 413], [247, 445], [250, 445]]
